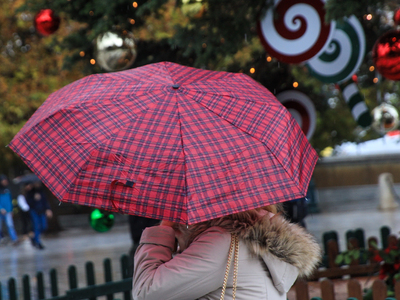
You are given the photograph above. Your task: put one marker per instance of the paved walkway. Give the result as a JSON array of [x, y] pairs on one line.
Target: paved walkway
[[342, 209]]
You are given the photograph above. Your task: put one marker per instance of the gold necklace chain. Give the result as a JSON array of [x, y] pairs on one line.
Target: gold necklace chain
[[234, 247]]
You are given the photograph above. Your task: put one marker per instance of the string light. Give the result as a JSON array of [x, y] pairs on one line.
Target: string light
[[204, 45], [269, 58], [376, 80], [82, 53], [92, 61], [295, 84], [369, 17], [91, 12], [252, 70], [132, 21], [134, 4], [371, 68]]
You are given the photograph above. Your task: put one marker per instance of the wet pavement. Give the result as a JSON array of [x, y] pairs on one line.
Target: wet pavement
[[72, 246], [341, 209]]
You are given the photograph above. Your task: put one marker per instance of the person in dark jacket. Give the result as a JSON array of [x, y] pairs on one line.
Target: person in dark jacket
[[6, 209], [40, 211]]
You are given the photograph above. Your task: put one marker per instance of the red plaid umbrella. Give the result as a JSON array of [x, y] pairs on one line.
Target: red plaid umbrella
[[167, 141]]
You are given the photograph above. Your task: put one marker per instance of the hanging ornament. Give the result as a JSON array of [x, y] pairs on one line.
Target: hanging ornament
[[46, 22], [115, 51], [101, 221], [344, 54], [396, 17], [386, 55], [355, 101], [385, 118], [296, 31], [301, 108]]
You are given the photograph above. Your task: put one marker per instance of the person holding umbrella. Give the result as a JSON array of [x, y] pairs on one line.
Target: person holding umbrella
[[205, 151], [273, 252]]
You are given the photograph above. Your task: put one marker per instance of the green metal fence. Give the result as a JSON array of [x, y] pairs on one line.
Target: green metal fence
[[109, 288]]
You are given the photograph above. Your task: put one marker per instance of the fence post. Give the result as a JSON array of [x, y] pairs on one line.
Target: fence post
[[352, 243], [108, 275], [90, 280], [72, 277], [26, 287], [301, 287], [385, 232], [1, 292], [53, 283], [354, 289], [40, 285], [396, 290], [359, 233], [12, 289], [330, 235], [333, 251], [126, 273], [379, 290], [327, 290], [392, 240]]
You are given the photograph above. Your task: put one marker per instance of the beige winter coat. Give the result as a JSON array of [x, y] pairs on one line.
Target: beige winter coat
[[272, 253]]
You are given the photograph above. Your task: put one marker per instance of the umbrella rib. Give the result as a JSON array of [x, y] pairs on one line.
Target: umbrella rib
[[184, 160]]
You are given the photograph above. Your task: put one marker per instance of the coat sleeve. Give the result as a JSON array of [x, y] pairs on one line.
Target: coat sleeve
[[189, 275], [22, 202]]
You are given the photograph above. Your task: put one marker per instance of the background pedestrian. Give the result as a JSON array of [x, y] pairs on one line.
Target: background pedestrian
[[6, 208], [40, 211]]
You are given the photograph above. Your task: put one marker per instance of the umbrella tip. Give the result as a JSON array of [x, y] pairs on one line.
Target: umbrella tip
[[175, 86]]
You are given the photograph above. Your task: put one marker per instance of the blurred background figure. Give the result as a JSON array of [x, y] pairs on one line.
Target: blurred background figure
[[296, 211], [39, 211], [6, 209], [136, 227], [24, 210]]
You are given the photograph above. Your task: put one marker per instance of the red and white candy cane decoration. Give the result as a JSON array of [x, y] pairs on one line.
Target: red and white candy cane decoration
[[302, 110], [298, 33]]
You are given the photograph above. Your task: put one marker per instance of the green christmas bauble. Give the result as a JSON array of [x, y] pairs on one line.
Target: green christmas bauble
[[101, 221]]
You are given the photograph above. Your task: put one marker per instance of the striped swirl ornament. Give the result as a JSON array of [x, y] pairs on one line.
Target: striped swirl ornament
[[295, 30], [344, 55], [302, 110], [355, 101]]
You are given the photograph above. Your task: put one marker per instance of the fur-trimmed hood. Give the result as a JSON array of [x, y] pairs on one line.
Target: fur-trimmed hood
[[289, 242], [265, 233]]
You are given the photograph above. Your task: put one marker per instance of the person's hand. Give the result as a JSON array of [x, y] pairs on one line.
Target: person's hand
[[3, 211], [171, 224], [49, 213]]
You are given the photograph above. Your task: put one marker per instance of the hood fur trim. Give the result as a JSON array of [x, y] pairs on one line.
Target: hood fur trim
[[289, 242]]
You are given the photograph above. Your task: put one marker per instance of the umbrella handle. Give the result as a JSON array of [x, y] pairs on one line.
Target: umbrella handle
[[115, 182]]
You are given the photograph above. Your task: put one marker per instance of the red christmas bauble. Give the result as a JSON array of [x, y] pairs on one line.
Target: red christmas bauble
[[396, 17], [386, 55], [46, 22], [354, 78]]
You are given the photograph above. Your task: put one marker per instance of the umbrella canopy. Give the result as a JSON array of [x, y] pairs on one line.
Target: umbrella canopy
[[25, 179], [166, 141]]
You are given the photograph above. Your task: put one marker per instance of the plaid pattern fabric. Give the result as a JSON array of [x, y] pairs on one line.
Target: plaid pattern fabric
[[167, 141]]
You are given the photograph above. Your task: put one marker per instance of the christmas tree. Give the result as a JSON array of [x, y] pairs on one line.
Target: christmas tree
[[210, 34]]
